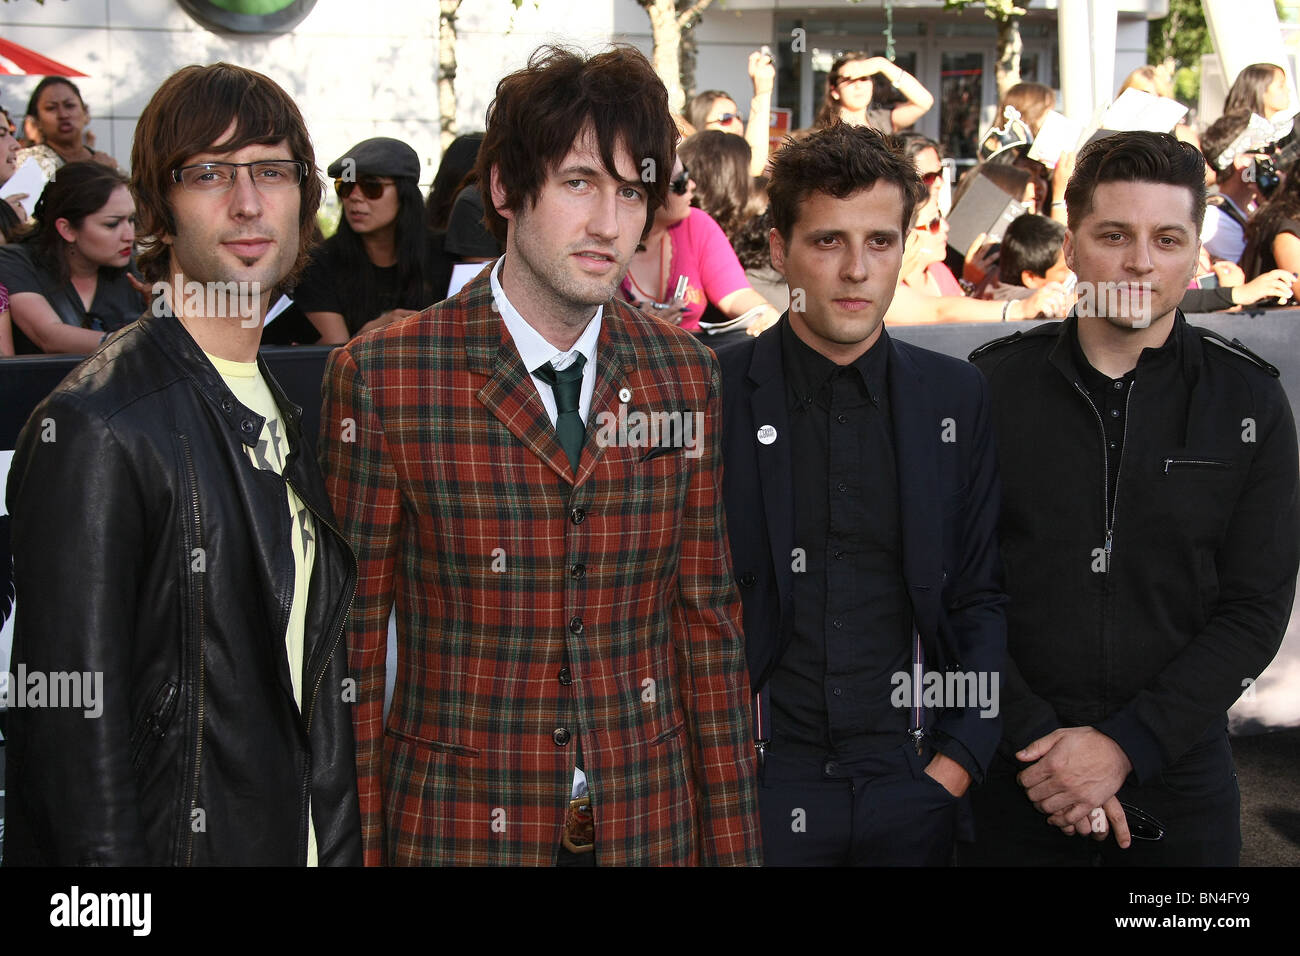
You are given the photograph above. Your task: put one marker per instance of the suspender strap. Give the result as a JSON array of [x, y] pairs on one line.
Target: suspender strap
[[916, 726]]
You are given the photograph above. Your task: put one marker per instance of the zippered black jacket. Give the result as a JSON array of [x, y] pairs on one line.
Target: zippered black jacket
[[1151, 640], [149, 549]]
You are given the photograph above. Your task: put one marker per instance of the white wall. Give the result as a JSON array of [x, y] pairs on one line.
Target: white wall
[[354, 76]]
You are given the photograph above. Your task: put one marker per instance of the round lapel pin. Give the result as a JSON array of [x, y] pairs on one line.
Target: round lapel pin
[[625, 395], [767, 434]]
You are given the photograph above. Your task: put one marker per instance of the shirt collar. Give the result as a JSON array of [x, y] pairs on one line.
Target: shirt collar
[[808, 370], [533, 348], [1093, 378]]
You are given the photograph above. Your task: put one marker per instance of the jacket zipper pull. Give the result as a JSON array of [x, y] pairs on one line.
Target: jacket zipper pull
[[1109, 541]]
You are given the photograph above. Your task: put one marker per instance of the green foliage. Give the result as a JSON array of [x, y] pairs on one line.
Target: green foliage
[[1183, 37], [999, 10]]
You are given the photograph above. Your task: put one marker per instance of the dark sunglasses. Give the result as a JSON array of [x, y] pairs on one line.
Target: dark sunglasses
[[931, 178], [678, 184], [933, 226], [370, 188], [726, 118]]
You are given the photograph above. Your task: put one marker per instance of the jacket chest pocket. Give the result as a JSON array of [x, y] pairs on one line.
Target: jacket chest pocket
[[1193, 494], [1179, 465]]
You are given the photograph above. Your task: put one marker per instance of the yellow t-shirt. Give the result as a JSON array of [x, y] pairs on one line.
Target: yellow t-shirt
[[269, 454]]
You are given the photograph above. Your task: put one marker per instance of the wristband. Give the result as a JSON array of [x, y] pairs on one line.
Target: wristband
[[1006, 307]]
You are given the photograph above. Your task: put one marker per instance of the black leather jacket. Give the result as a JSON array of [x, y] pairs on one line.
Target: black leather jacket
[[149, 549]]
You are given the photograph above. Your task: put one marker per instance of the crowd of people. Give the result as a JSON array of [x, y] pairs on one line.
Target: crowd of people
[[704, 264]]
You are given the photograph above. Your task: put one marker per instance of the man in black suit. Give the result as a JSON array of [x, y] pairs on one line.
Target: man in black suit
[[862, 502]]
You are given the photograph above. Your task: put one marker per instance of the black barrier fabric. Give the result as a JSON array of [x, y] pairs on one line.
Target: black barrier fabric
[[25, 381]]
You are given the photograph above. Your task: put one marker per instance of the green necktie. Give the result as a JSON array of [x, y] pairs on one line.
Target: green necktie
[[567, 386]]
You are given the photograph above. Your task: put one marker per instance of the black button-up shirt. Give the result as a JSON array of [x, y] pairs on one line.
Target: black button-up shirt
[[852, 618], [1110, 397]]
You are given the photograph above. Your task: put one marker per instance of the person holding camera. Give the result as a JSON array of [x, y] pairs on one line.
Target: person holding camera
[[1236, 169]]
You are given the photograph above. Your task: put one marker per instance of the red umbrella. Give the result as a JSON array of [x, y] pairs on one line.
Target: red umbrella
[[18, 60]]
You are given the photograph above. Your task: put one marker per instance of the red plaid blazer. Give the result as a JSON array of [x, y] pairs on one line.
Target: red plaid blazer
[[448, 480]]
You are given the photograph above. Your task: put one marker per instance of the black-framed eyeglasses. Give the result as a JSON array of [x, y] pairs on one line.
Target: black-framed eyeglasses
[[370, 188], [220, 177], [679, 182], [1142, 825]]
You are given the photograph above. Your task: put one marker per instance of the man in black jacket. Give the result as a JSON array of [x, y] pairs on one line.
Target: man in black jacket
[[173, 543], [861, 495], [1151, 537]]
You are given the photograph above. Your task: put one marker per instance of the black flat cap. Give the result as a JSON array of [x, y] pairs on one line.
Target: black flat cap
[[379, 156]]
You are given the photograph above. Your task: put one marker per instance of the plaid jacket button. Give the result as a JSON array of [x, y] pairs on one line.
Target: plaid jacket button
[[560, 736], [577, 515], [578, 571], [564, 677], [575, 625]]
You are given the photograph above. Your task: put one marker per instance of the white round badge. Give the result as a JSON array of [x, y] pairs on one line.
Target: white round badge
[[767, 434], [625, 395]]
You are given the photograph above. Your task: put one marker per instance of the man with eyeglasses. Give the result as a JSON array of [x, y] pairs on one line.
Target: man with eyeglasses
[[174, 549]]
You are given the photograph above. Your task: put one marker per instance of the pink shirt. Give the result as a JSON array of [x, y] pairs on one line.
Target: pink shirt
[[702, 253]]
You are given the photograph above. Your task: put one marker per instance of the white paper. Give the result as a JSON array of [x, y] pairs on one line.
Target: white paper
[[461, 273], [743, 321], [281, 304], [29, 179], [1138, 110], [1057, 135]]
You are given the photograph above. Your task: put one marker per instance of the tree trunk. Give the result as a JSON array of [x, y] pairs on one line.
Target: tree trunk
[[447, 71], [667, 35], [1009, 47]]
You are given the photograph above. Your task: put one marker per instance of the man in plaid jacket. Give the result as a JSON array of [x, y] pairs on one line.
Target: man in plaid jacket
[[530, 473]]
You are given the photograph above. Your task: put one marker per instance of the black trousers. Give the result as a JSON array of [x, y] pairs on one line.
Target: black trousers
[[880, 810], [1196, 799]]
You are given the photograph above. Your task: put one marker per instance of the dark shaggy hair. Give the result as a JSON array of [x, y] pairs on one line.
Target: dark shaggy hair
[[1139, 157], [1219, 137], [541, 111], [1247, 91], [1263, 227], [76, 191], [186, 116], [410, 242], [839, 161], [1030, 244], [719, 164], [457, 163]]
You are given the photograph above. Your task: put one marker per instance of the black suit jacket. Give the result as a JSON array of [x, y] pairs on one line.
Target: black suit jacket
[[948, 492]]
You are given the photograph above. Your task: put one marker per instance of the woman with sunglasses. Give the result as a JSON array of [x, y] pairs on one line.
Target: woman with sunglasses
[[716, 110], [685, 265], [383, 263], [69, 282], [849, 89]]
